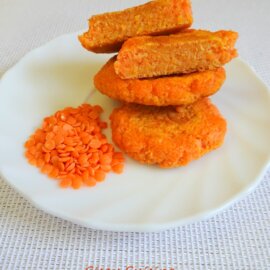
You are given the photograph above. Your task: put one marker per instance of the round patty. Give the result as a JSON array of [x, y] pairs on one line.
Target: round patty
[[168, 136], [162, 91]]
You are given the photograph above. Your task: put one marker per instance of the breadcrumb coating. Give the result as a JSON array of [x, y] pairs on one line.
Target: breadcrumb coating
[[163, 91], [168, 136]]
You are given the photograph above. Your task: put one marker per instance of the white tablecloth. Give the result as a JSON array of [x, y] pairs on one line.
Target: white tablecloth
[[238, 238]]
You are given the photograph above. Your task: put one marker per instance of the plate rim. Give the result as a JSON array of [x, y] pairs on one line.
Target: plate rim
[[149, 227]]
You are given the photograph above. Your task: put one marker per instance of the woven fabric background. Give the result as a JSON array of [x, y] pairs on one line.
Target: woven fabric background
[[237, 238]]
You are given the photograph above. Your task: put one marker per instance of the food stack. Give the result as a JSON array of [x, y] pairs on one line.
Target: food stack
[[164, 73]]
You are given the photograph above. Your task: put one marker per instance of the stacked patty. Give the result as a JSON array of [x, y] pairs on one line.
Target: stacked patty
[[168, 136], [163, 74], [108, 31], [159, 91]]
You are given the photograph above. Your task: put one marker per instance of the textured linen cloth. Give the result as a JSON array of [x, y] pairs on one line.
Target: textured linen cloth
[[237, 238]]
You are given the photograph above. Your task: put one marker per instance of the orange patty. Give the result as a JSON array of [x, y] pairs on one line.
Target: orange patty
[[168, 136], [108, 31], [185, 52], [176, 90]]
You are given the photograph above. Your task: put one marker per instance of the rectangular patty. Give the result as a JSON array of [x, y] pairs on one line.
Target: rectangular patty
[[108, 31], [185, 52]]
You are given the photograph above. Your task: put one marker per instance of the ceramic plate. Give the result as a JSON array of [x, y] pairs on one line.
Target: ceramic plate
[[143, 198]]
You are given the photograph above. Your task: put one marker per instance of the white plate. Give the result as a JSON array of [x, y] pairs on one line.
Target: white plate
[[143, 198]]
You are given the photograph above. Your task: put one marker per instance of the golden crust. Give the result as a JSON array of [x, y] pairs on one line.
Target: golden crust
[[176, 90], [168, 136], [185, 52], [108, 31]]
